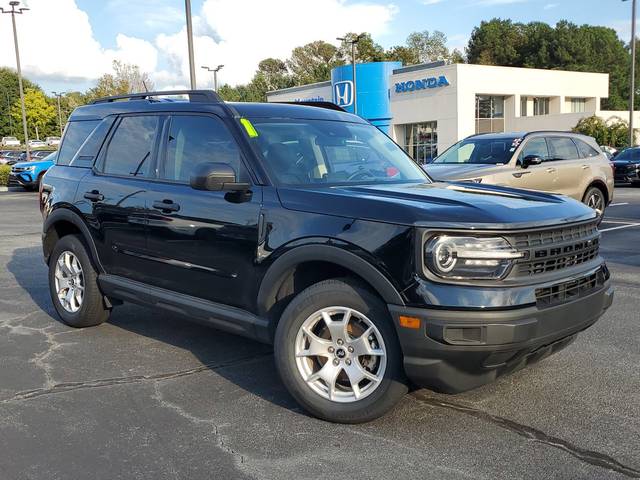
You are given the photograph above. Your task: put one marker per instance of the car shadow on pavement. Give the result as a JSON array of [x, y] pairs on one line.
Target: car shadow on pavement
[[246, 363]]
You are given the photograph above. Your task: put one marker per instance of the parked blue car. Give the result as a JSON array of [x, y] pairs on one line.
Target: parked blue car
[[28, 174]]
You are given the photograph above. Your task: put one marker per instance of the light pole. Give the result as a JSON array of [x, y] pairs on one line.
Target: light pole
[[215, 75], [353, 41], [13, 13], [632, 91], [6, 92], [59, 95], [192, 68]]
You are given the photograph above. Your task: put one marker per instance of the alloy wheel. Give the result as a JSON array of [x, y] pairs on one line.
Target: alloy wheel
[[69, 281], [596, 201], [340, 354]]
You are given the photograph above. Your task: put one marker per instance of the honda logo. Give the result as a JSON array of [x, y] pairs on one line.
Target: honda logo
[[343, 93]]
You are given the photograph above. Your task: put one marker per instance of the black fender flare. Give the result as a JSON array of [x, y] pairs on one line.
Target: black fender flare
[[325, 253], [66, 215]]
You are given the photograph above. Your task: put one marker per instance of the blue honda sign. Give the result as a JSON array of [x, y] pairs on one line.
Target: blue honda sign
[[422, 84]]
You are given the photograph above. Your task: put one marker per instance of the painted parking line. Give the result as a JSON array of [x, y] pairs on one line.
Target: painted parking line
[[619, 227], [618, 204], [621, 221]]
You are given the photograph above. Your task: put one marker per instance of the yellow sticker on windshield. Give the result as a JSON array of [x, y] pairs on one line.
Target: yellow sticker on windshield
[[248, 126]]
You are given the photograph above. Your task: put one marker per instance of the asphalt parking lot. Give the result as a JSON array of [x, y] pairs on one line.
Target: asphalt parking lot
[[151, 396]]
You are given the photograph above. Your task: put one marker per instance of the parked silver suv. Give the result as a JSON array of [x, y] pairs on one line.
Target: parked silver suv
[[556, 162]]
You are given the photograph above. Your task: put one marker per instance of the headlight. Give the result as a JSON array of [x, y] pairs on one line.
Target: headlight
[[468, 258], [30, 169]]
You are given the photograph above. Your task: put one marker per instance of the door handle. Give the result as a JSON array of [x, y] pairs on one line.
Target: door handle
[[584, 167], [166, 205], [94, 196], [551, 170]]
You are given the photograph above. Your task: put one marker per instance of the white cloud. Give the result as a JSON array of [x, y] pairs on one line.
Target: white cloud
[[264, 29], [227, 32], [549, 6], [57, 42], [489, 3], [430, 2]]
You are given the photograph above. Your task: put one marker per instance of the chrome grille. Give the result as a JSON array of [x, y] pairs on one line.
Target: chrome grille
[[557, 248]]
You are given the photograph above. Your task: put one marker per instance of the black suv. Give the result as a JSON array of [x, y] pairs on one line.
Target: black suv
[[310, 229]]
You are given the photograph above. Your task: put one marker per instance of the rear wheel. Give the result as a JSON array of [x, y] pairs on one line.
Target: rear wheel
[[73, 284], [338, 354]]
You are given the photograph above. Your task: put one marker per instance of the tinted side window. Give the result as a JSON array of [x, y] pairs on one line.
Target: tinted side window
[[586, 150], [562, 148], [195, 139], [537, 147], [74, 136], [131, 147]]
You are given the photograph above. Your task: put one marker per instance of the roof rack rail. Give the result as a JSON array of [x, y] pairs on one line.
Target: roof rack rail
[[200, 96], [319, 104]]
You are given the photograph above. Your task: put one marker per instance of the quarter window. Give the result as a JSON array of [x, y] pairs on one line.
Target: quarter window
[[74, 136], [194, 139], [131, 147], [562, 148]]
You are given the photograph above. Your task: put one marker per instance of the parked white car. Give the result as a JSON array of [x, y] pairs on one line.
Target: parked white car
[[52, 141], [36, 143], [10, 142]]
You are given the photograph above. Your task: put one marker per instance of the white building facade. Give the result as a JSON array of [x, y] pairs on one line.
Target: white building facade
[[432, 106]]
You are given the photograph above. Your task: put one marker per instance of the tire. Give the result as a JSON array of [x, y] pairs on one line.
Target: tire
[[594, 197], [86, 308], [342, 405]]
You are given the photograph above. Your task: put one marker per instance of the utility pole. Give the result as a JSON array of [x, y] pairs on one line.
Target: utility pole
[[192, 68], [9, 113], [632, 92], [58, 95], [13, 13], [353, 42], [215, 75]]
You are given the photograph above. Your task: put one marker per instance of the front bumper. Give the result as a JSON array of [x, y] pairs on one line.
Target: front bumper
[[457, 350], [20, 180]]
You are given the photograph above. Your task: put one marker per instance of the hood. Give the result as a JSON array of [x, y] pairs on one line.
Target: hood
[[620, 163], [36, 163], [461, 171], [438, 204]]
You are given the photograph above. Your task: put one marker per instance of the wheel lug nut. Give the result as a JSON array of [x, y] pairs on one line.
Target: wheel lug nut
[[350, 349], [331, 349], [347, 361], [336, 361], [340, 341]]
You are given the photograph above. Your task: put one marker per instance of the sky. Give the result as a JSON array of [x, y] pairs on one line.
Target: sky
[[66, 45]]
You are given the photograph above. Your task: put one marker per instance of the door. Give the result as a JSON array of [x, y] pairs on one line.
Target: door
[[566, 159], [115, 192], [203, 242], [541, 177]]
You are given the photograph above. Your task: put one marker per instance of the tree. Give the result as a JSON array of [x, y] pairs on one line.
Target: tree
[[39, 111], [126, 79], [400, 53], [272, 74], [429, 47], [9, 93], [613, 132], [496, 42], [366, 49], [313, 62]]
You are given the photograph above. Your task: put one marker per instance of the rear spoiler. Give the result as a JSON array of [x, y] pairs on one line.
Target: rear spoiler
[[312, 103]]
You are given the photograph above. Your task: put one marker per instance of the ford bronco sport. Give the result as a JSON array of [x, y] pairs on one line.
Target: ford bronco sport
[[308, 228]]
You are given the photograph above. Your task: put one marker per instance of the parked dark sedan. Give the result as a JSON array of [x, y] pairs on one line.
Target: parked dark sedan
[[627, 166]]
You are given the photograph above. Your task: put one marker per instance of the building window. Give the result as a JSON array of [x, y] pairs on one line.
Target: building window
[[523, 106], [578, 105], [421, 141], [489, 114], [541, 106]]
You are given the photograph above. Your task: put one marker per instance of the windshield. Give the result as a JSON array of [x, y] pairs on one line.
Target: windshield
[[492, 151], [316, 152], [628, 154]]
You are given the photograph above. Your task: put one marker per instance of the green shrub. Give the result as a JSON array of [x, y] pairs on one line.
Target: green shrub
[[4, 175]]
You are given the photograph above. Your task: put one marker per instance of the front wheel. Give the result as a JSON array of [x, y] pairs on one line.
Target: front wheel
[[594, 198], [338, 354]]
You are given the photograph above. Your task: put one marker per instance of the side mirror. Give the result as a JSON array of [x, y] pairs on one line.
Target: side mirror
[[215, 176], [531, 160]]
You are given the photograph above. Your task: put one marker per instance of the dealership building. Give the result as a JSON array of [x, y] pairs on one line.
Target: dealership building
[[426, 108]]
